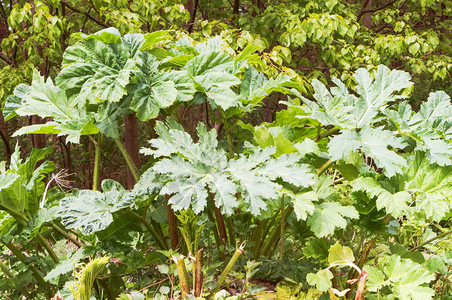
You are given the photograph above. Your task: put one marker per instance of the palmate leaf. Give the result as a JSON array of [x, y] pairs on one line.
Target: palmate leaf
[[21, 186], [373, 142], [428, 127], [96, 71], [44, 99], [14, 101], [433, 184], [328, 216], [91, 211], [153, 90], [395, 204], [346, 111], [193, 170], [405, 278], [255, 86], [427, 185], [376, 93]]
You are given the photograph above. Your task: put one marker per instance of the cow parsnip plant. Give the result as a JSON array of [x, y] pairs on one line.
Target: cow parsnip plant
[[353, 176]]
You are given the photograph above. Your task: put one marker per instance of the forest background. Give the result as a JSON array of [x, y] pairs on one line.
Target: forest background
[[303, 40]]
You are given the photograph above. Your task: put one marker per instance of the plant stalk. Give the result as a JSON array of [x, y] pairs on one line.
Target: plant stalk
[[48, 248], [97, 162], [273, 237], [129, 160], [198, 280], [354, 273], [22, 258], [281, 248], [183, 275], [66, 235], [238, 251], [6, 270], [151, 230], [220, 221], [432, 239], [325, 167]]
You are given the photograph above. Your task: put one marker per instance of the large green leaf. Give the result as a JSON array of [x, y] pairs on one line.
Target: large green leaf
[[344, 110], [405, 278], [21, 186], [328, 216], [44, 99], [395, 204], [376, 93], [193, 170], [373, 143], [428, 127], [14, 101], [96, 71], [91, 211]]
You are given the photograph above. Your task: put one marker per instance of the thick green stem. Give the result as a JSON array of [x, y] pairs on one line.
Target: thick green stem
[[274, 235], [230, 230], [354, 273], [151, 230], [22, 258], [228, 134], [220, 221], [215, 231], [325, 134], [239, 251], [97, 162], [325, 167], [281, 248], [48, 248], [66, 235], [432, 239], [6, 270], [183, 275], [129, 160]]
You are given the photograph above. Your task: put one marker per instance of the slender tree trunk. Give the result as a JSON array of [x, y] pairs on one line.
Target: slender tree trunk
[[172, 225], [131, 145], [5, 138], [66, 151], [367, 17], [38, 140]]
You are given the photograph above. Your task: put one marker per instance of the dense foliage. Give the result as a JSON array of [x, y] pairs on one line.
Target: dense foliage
[[284, 160]]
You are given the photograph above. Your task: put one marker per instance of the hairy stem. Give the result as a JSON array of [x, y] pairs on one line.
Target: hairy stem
[[151, 230], [129, 160], [48, 248], [432, 239], [325, 167], [66, 235], [281, 248], [238, 251], [198, 278], [22, 258], [97, 162], [6, 270], [183, 275]]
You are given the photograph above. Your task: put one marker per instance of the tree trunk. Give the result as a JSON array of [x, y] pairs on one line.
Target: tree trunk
[[131, 145], [172, 225], [5, 138], [38, 140], [367, 17]]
